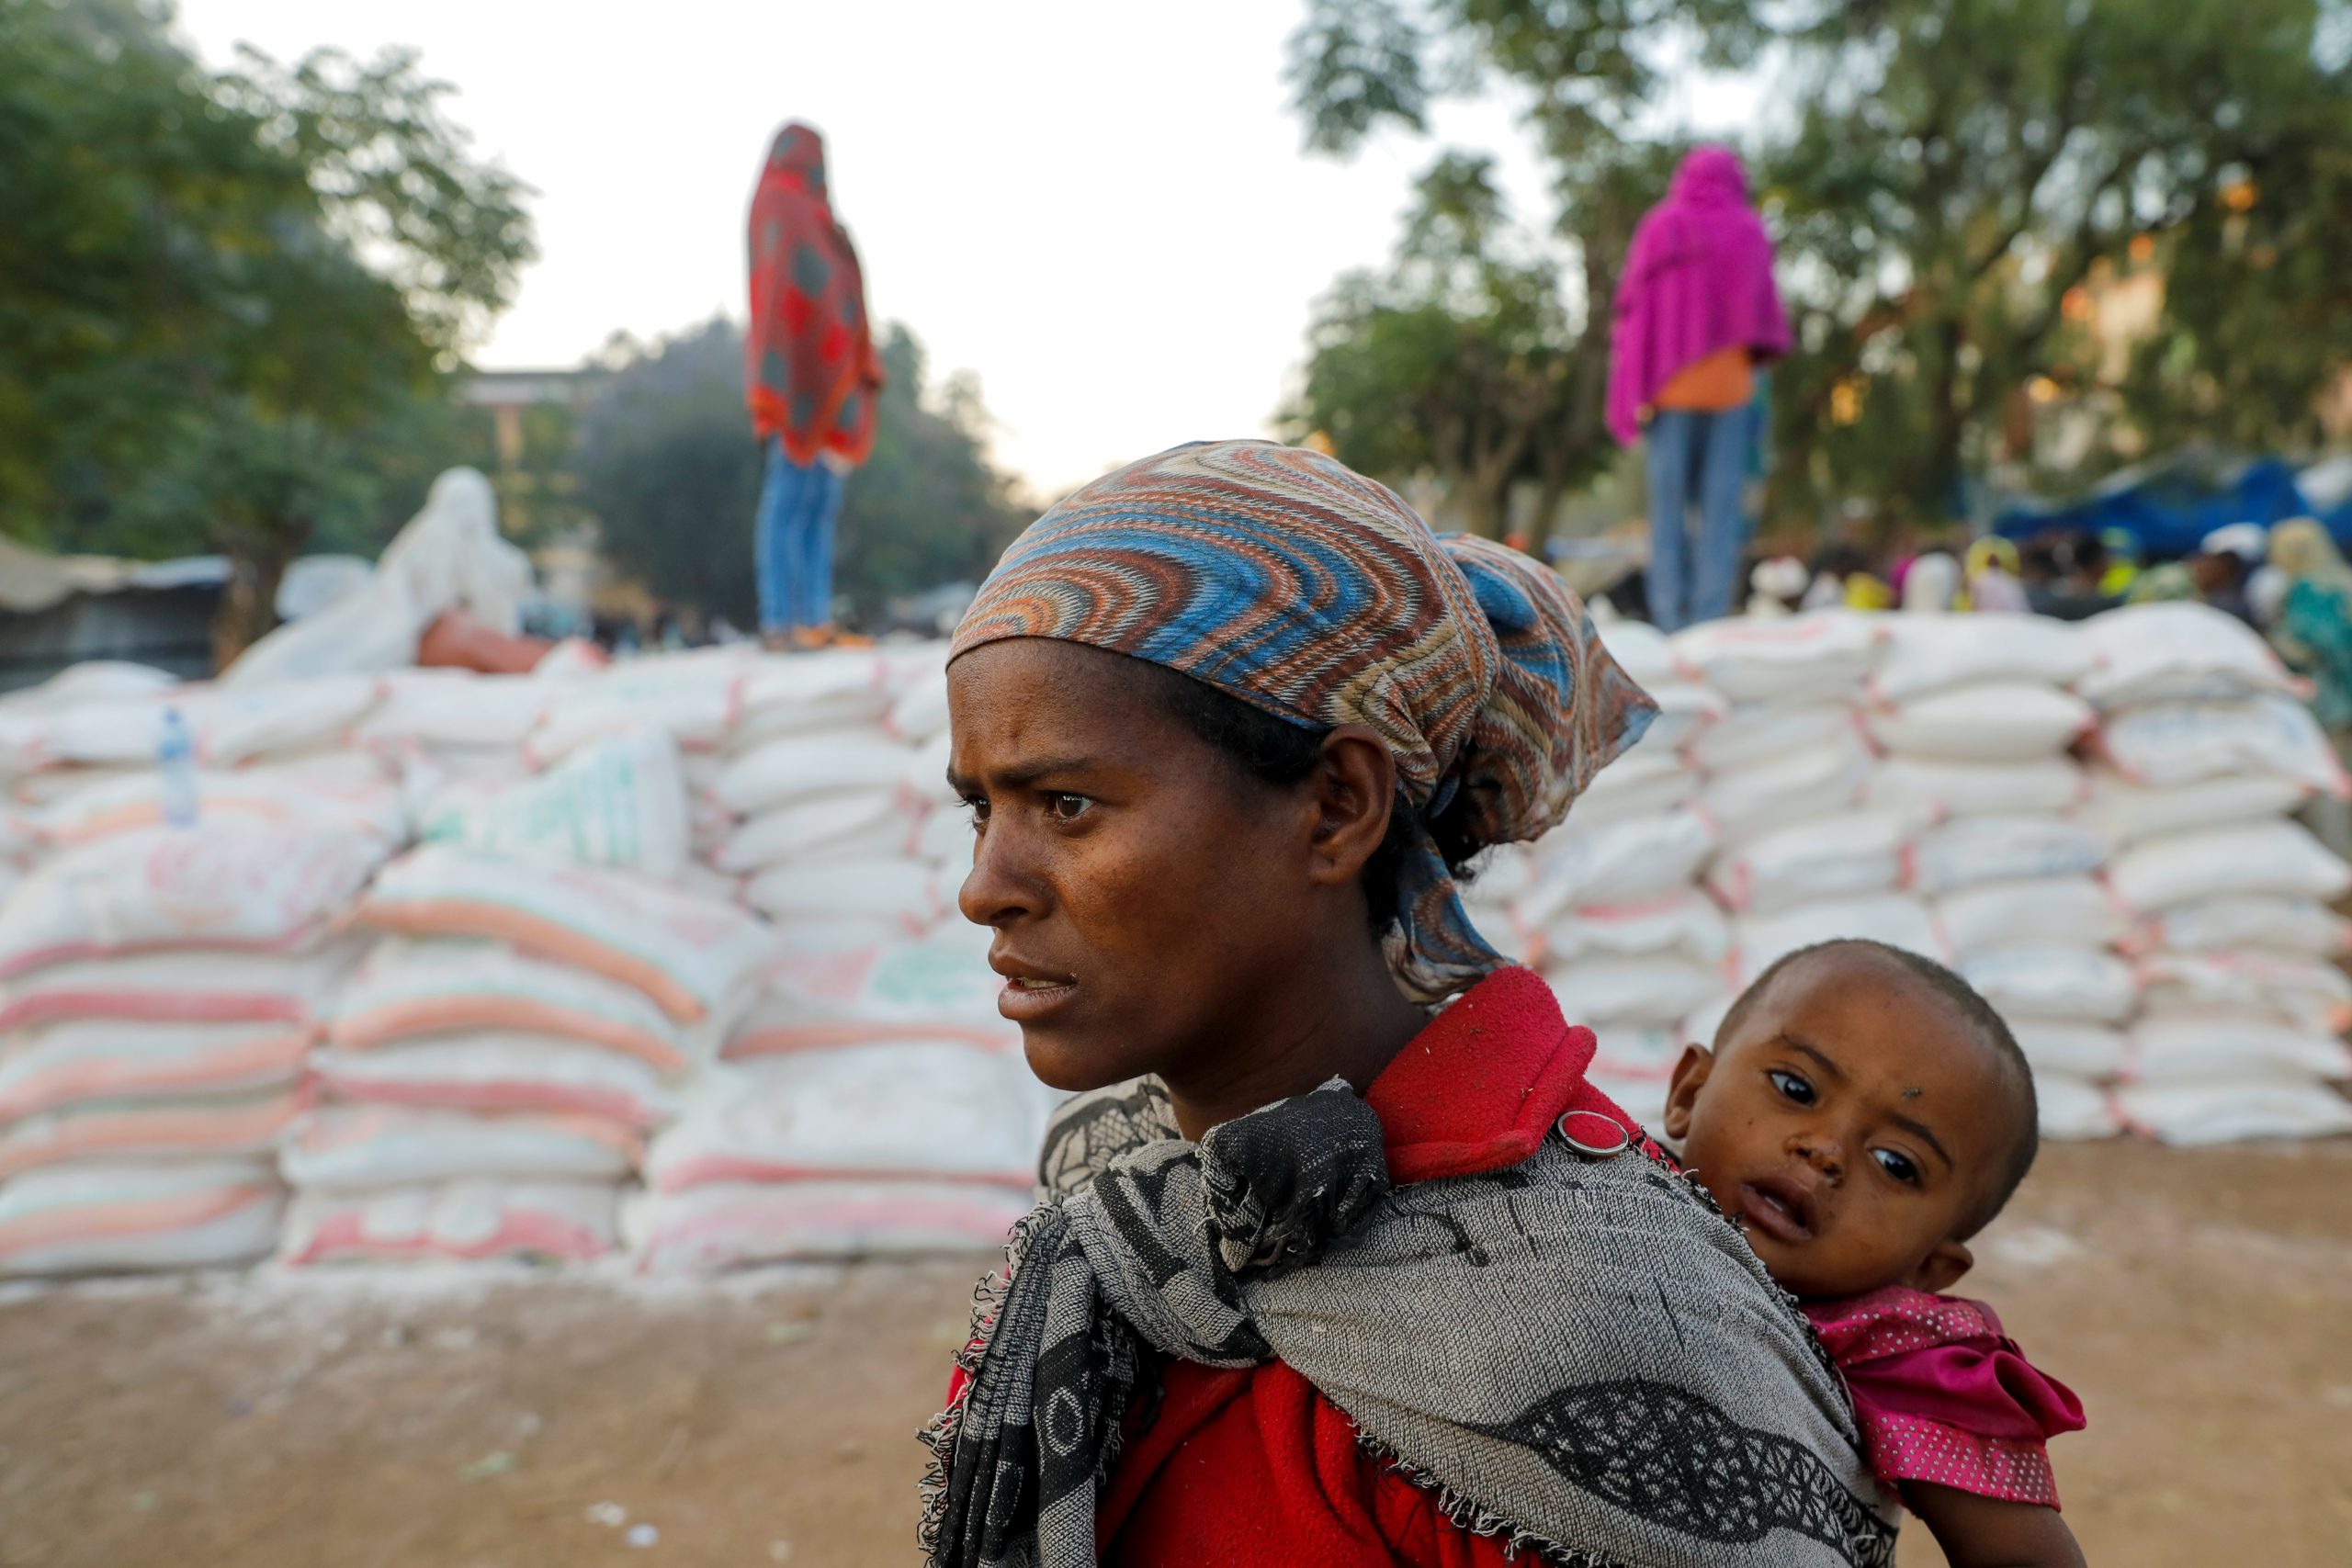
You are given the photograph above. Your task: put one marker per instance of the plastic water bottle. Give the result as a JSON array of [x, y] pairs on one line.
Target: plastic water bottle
[[176, 758]]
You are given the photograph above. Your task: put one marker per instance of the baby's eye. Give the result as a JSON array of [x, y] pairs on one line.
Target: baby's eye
[[1901, 1166], [1790, 1084], [1064, 808]]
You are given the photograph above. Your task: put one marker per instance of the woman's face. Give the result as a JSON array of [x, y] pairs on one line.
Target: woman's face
[[1148, 896]]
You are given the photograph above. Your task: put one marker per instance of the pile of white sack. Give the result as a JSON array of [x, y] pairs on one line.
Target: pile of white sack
[[2204, 751], [663, 961], [2151, 924]]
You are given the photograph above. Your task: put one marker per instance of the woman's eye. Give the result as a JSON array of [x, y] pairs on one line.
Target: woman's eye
[[1793, 1086], [1067, 807], [978, 810], [1901, 1166]]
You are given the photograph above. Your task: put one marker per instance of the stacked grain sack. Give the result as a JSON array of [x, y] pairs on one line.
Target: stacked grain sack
[[873, 1100], [159, 990], [542, 991], [2204, 752], [1976, 724], [1607, 906]]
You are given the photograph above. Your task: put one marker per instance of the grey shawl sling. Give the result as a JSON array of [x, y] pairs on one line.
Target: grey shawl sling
[[1576, 1354]]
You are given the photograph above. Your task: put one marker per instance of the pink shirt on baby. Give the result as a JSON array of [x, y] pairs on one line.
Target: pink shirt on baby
[[1942, 1396]]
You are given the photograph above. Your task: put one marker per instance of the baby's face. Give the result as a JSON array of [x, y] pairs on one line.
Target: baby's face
[[1851, 1126]]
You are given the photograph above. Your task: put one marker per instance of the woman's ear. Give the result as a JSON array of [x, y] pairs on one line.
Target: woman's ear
[[1355, 789], [1942, 1268], [1690, 1077]]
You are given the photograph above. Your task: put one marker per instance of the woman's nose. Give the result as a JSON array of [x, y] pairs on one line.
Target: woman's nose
[[998, 889]]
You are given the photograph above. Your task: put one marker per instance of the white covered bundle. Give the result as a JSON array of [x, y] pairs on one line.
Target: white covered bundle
[[885, 1147], [159, 990], [2205, 751], [493, 1069]]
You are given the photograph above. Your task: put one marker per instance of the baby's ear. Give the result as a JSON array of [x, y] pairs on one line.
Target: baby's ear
[[1690, 1077], [1943, 1268]]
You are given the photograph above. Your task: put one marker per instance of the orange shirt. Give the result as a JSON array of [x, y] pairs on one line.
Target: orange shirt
[[1724, 379]]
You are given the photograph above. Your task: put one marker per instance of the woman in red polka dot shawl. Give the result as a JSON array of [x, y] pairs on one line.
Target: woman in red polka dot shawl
[[1862, 1115]]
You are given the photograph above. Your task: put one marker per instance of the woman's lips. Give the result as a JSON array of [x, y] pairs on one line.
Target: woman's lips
[[1777, 1209], [1030, 1000]]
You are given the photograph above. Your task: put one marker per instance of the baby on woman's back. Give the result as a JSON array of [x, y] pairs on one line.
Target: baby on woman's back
[[1862, 1114]]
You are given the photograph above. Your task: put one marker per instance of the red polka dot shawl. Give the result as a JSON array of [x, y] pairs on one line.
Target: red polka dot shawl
[[809, 369], [1285, 579]]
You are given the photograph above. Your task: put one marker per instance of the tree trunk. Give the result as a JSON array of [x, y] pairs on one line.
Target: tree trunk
[[249, 602]]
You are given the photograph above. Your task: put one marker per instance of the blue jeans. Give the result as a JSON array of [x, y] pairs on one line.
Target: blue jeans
[[1705, 453], [794, 542]]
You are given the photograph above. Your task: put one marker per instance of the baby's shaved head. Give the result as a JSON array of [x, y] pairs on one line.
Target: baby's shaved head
[[2019, 1108]]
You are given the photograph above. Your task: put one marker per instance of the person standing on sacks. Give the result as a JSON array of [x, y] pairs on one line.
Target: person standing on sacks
[[1696, 312]]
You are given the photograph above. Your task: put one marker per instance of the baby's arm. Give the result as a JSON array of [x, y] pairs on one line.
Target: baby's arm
[[1988, 1532]]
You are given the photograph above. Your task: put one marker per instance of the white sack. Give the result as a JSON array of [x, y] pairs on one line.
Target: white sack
[[1847, 855], [1684, 925], [695, 956], [2057, 1048], [868, 825], [2070, 983], [499, 1071], [2170, 744], [1615, 990], [1935, 653], [2066, 911], [2163, 652], [1752, 735], [243, 884], [2276, 859], [921, 1111], [1896, 919], [113, 1216], [842, 993], [1826, 653], [1973, 850], [1933, 788], [566, 1221], [2222, 1044], [348, 1146], [205, 1127], [620, 803], [2124, 813], [730, 1225], [1627, 861], [901, 893], [2193, 1115], [193, 985], [1998, 723], [2072, 1109], [2309, 990], [2300, 927], [87, 1061], [1764, 795], [411, 986], [806, 767]]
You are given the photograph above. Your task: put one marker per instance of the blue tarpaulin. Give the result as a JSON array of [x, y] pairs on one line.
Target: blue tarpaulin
[[2170, 508]]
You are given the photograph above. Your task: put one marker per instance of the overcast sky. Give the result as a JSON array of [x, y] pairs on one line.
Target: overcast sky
[[1103, 208]]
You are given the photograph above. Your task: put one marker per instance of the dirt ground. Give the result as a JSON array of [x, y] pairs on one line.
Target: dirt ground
[[2198, 1302]]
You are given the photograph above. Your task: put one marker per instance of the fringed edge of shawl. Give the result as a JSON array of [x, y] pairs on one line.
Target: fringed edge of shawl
[[938, 1433], [1472, 1518]]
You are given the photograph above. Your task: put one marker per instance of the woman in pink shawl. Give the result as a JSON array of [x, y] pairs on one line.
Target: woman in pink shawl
[[1696, 312]]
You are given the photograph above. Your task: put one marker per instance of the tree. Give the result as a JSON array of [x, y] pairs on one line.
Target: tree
[[232, 300], [1958, 178], [668, 467]]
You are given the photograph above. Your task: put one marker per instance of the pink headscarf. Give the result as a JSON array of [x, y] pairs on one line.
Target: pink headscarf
[[1698, 280]]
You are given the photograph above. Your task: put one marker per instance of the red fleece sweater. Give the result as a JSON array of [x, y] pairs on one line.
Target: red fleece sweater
[[1244, 1467]]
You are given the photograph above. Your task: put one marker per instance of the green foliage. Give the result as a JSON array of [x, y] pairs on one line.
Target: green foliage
[[668, 465], [1952, 182], [230, 300]]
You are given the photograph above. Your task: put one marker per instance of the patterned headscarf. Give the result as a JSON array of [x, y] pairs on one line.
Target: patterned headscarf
[[1285, 579]]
